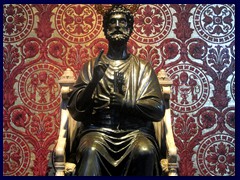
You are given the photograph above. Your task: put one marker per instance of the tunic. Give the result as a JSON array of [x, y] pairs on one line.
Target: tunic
[[111, 138]]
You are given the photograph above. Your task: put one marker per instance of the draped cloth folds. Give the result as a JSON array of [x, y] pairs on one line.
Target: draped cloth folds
[[118, 141], [106, 152]]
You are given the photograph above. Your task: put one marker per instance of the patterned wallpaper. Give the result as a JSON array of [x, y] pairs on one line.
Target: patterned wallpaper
[[194, 43]]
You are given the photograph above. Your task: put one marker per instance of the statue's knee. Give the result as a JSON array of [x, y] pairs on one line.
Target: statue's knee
[[144, 148], [88, 145]]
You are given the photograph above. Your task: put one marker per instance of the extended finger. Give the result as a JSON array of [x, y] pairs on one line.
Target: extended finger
[[98, 58]]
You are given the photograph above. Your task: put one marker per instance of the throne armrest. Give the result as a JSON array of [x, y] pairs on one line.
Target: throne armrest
[[164, 135], [61, 166], [163, 131], [59, 151], [172, 158]]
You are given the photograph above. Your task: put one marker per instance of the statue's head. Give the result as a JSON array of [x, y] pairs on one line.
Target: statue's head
[[118, 24]]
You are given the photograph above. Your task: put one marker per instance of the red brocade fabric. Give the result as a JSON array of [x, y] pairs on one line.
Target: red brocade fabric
[[194, 43]]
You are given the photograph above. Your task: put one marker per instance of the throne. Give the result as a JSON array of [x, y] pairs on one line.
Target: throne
[[69, 126]]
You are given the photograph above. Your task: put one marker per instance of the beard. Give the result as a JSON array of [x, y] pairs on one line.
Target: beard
[[118, 36]]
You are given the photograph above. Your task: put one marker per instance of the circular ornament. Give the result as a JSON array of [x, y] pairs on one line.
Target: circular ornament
[[38, 87], [18, 21], [78, 23], [215, 22], [16, 155]]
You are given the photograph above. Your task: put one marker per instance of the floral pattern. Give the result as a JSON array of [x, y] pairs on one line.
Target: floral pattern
[[10, 57], [79, 20], [19, 118], [17, 22], [15, 155], [13, 19], [150, 54], [31, 49], [231, 119], [170, 50], [194, 43], [78, 23], [185, 128], [218, 20], [56, 49], [208, 119], [11, 157], [150, 22], [77, 57], [197, 50], [215, 23], [221, 158], [42, 126]]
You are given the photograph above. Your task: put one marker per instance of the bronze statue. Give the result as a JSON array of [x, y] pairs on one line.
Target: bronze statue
[[117, 97]]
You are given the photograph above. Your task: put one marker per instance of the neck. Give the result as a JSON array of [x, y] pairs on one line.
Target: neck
[[117, 51]]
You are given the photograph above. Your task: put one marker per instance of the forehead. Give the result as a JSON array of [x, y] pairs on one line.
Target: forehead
[[118, 16]]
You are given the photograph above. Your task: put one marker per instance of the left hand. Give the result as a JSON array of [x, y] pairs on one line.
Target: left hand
[[116, 99]]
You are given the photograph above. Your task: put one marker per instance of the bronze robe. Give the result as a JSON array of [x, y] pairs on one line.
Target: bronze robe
[[117, 133]]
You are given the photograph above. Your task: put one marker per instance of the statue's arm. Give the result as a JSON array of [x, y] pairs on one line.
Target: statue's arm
[[80, 102], [151, 108], [149, 103]]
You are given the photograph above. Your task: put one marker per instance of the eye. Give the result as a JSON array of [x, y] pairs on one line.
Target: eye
[[123, 21], [112, 21]]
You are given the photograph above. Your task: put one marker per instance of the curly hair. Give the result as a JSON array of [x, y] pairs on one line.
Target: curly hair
[[118, 9]]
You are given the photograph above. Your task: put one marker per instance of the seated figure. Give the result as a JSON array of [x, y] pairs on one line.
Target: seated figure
[[117, 97]]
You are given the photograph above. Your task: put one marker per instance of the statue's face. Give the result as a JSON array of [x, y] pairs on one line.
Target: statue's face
[[118, 30]]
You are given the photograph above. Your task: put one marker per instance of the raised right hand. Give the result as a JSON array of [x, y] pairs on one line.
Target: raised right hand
[[99, 68]]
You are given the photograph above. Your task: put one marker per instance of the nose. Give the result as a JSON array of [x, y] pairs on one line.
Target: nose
[[117, 23]]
